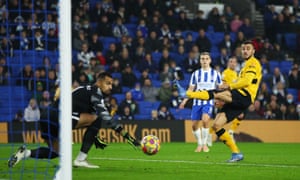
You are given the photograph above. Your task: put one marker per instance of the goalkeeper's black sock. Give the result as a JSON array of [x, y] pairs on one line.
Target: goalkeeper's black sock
[[43, 153], [90, 135]]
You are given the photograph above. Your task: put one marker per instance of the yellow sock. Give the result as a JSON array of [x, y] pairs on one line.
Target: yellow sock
[[211, 130], [235, 123], [226, 138], [204, 95]]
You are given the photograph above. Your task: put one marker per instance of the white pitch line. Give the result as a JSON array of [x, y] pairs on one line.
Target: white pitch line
[[198, 162]]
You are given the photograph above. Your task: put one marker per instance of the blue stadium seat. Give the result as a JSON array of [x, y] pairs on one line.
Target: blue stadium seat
[[131, 29], [106, 41], [156, 57], [217, 38], [285, 67], [142, 117], [181, 114], [273, 64], [156, 83], [291, 40], [145, 108], [119, 97]]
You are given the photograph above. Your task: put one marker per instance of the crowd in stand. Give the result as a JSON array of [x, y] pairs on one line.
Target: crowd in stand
[[145, 45]]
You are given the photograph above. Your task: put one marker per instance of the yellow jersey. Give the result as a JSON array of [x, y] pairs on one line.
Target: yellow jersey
[[229, 76], [249, 78]]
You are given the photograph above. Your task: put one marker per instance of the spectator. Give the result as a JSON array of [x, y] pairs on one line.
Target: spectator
[[165, 92], [153, 42], [52, 43], [263, 94], [277, 53], [144, 75], [273, 111], [44, 103], [247, 29], [166, 73], [278, 77], [129, 102], [165, 59], [19, 116], [183, 22], [203, 42], [213, 16], [199, 22], [126, 114], [137, 93], [147, 64], [164, 31], [128, 77], [255, 112], [111, 54], [115, 67], [289, 100], [265, 65], [170, 20], [79, 40], [85, 55], [294, 78], [124, 43], [125, 58], [104, 27], [39, 41], [280, 27], [32, 112], [191, 63], [280, 91], [227, 43], [143, 28], [292, 113], [119, 29], [164, 113], [24, 41], [235, 23], [150, 92], [154, 115], [97, 12], [116, 86], [222, 25], [94, 43], [224, 57], [175, 99]]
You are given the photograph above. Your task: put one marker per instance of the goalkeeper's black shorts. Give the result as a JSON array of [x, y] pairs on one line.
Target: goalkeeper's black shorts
[[49, 125]]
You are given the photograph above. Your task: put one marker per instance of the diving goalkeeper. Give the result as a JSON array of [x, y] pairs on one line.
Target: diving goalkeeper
[[88, 110]]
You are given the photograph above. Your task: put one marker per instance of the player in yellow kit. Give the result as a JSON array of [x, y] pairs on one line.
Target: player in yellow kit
[[229, 75], [238, 96]]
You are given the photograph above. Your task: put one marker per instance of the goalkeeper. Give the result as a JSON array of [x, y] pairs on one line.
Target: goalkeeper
[[88, 110]]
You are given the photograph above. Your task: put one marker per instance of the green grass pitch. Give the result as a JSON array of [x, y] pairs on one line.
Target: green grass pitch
[[174, 161]]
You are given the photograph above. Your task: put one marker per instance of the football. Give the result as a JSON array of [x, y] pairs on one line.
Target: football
[[150, 144]]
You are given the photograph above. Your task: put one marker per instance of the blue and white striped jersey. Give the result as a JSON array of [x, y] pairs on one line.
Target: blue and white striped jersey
[[205, 80]]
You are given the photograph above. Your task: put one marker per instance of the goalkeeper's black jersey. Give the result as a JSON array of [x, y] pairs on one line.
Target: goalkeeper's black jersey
[[88, 99]]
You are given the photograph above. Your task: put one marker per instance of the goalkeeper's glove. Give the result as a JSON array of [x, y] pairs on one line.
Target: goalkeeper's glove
[[100, 143]]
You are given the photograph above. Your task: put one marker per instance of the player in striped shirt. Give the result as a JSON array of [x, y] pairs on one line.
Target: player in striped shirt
[[205, 78]]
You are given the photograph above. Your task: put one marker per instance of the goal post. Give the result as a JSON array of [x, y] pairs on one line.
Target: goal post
[[65, 59]]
